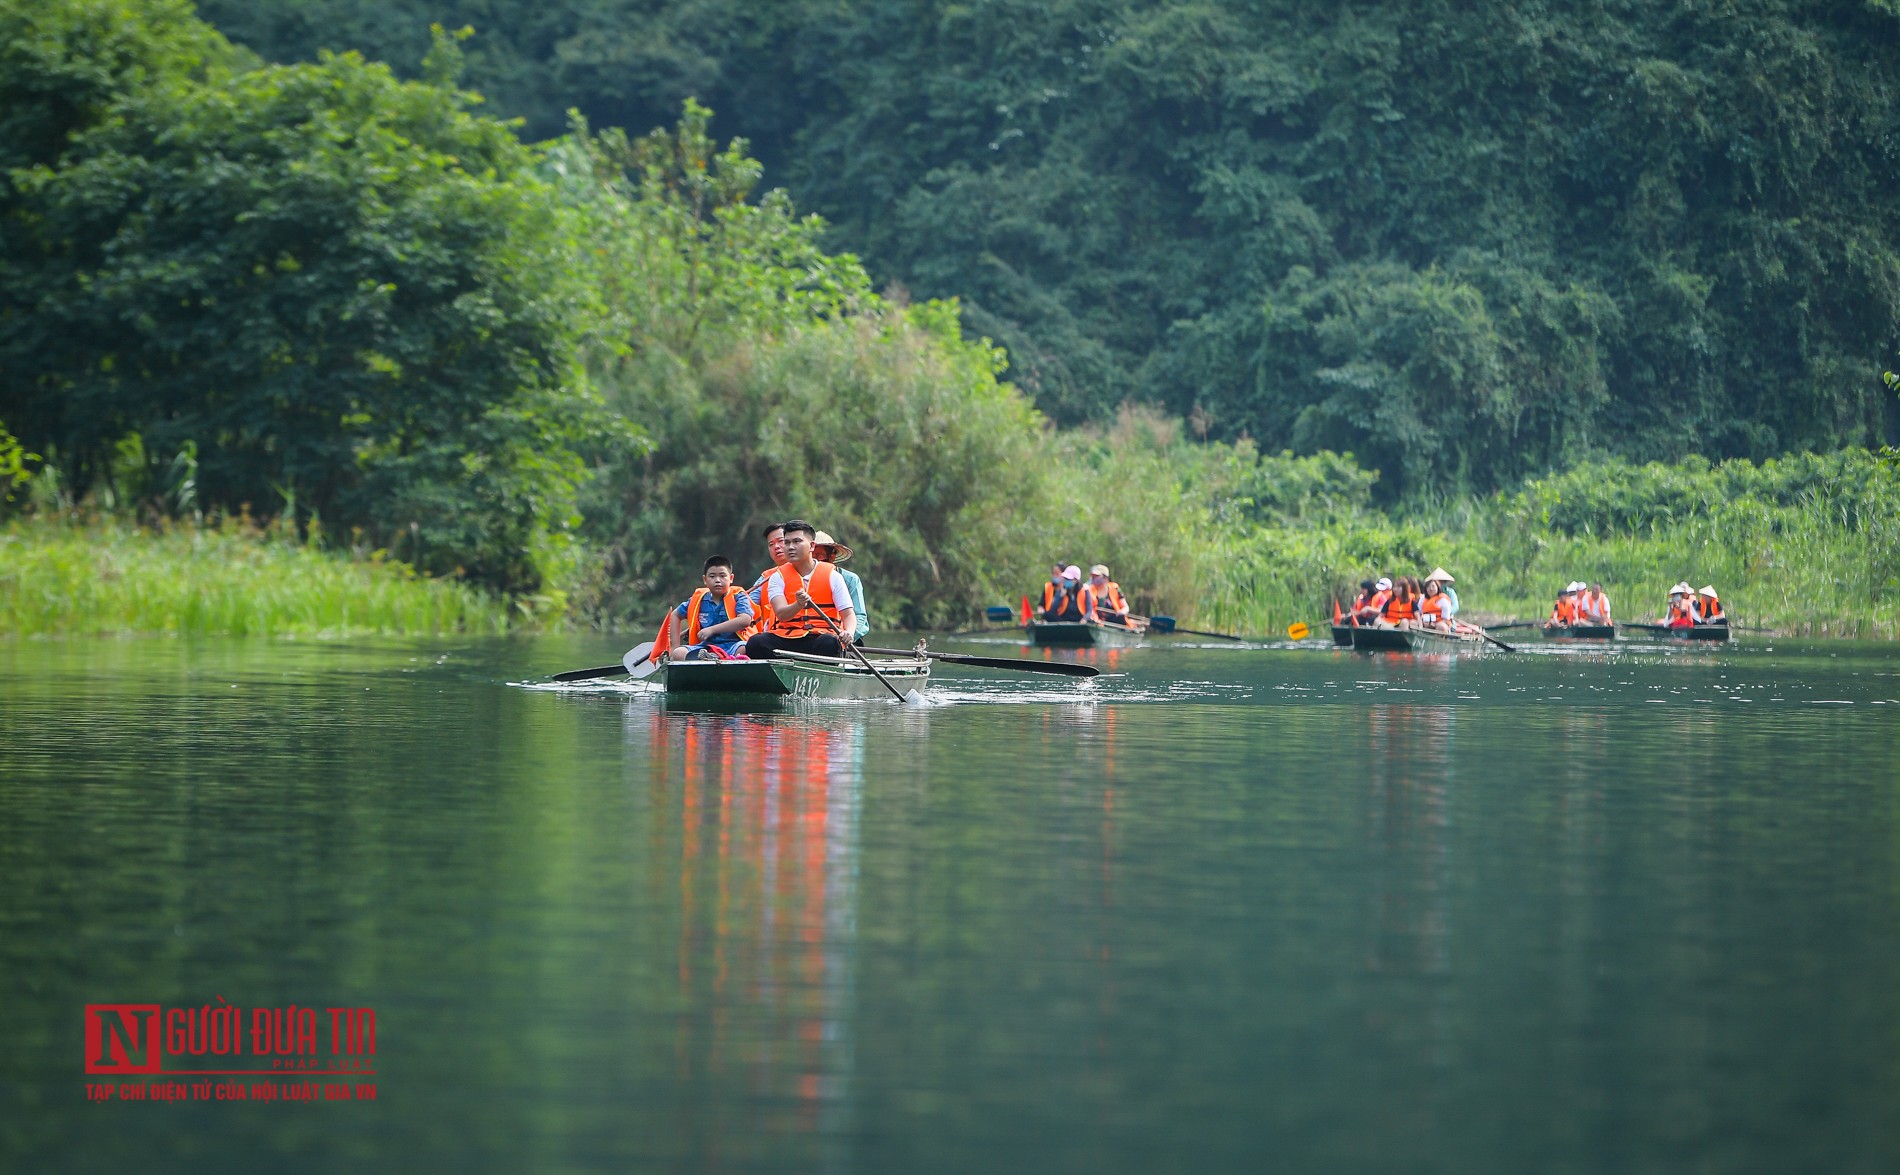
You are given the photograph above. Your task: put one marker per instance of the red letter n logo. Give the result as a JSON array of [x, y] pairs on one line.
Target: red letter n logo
[[122, 1038]]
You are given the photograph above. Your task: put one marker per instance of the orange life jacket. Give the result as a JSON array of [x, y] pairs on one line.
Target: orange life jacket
[[1564, 613], [820, 588], [762, 618], [1110, 593], [1595, 609], [1680, 615], [1078, 604], [1710, 612], [1379, 600], [1397, 609], [732, 610], [1433, 607]]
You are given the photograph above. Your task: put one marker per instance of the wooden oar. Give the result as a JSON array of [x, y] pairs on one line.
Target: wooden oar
[[1494, 640], [862, 659], [1061, 668], [638, 655]]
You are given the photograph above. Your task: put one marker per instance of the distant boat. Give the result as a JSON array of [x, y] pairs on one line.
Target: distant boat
[[1579, 632], [1082, 634], [1415, 640]]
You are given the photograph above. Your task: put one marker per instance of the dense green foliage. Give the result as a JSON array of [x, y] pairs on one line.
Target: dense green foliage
[[1468, 242], [342, 292], [64, 575]]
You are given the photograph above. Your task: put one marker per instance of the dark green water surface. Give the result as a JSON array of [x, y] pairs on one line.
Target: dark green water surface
[[1227, 909]]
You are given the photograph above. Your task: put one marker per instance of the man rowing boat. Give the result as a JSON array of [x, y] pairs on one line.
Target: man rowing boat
[[801, 595]]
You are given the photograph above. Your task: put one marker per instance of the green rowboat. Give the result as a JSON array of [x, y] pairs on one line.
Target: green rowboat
[[1082, 634], [1414, 640], [1579, 632], [794, 675]]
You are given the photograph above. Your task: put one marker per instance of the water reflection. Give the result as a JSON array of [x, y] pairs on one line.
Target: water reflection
[[767, 877]]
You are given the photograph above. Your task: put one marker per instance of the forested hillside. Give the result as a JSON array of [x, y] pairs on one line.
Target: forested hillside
[[1466, 241]]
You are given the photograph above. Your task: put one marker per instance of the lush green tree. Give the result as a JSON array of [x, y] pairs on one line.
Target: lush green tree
[[346, 291]]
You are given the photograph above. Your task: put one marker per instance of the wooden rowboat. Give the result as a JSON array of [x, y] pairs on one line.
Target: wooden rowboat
[[1342, 635], [1414, 640], [1579, 632], [1698, 632], [1082, 634], [794, 675]]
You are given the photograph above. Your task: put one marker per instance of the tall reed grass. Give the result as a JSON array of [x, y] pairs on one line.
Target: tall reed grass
[[69, 575]]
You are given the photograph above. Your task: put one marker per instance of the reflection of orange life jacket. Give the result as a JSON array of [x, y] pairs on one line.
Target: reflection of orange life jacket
[[820, 588], [1110, 596], [732, 610], [1433, 607], [1397, 609]]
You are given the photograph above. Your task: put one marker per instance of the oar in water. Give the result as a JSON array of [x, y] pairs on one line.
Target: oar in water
[[637, 656], [1166, 624], [1494, 640], [1061, 668]]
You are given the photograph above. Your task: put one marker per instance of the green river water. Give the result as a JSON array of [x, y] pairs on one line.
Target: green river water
[[1221, 909]]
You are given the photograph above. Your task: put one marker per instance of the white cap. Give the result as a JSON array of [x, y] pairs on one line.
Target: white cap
[[1577, 586], [1441, 575], [1707, 591], [1384, 584], [1099, 569], [1072, 572]]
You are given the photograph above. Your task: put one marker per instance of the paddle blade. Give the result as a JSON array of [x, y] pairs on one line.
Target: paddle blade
[[1161, 623], [588, 674], [639, 660], [997, 613], [1298, 630]]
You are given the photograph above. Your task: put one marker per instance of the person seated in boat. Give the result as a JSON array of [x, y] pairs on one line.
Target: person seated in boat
[[774, 536], [1593, 607], [1067, 601], [834, 552], [1681, 612], [1564, 613], [1401, 609], [1374, 607], [714, 623], [1105, 596], [1444, 581], [1359, 604], [1434, 606], [802, 594], [1708, 607]]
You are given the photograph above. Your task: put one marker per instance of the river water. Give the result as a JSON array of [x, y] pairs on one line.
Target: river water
[[1220, 909]]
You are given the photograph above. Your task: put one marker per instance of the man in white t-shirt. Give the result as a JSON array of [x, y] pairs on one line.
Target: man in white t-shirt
[[802, 593]]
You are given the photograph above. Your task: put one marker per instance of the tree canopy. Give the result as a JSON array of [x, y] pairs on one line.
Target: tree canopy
[[1465, 240]]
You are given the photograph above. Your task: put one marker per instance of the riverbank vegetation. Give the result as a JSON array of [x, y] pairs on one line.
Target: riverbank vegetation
[[76, 575], [558, 375]]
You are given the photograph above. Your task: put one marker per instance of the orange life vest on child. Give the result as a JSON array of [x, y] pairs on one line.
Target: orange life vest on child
[[732, 610], [820, 588]]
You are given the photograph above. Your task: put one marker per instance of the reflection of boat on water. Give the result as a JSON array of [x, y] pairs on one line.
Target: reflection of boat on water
[[1414, 640], [1082, 634], [794, 675], [1579, 632]]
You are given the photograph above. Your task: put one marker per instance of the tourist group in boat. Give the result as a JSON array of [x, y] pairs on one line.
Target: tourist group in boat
[[1405, 601], [1068, 599], [802, 603]]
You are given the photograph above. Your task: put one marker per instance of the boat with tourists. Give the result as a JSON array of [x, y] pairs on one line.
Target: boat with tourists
[[1579, 632], [1379, 638], [796, 675], [1082, 634]]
